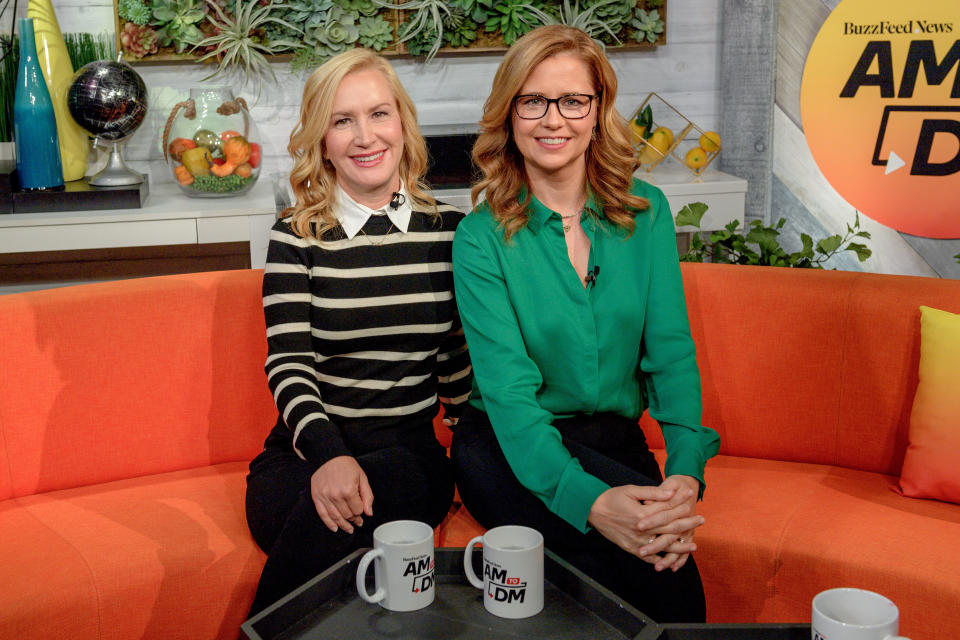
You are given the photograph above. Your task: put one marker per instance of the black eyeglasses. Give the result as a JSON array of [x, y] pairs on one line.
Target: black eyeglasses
[[572, 106]]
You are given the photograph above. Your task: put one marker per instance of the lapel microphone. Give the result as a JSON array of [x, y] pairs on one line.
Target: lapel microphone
[[397, 200], [591, 279]]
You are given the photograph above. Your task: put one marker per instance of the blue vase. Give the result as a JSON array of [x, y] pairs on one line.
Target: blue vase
[[34, 121]]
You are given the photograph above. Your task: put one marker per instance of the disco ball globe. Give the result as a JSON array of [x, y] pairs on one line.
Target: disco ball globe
[[108, 99]]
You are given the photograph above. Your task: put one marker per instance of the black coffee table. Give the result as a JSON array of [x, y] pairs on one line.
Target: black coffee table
[[575, 607]]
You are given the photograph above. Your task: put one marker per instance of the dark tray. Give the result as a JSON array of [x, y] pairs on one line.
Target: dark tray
[[735, 632], [327, 607]]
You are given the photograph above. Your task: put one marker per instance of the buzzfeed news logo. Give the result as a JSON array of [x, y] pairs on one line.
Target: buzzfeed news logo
[[501, 587], [421, 568]]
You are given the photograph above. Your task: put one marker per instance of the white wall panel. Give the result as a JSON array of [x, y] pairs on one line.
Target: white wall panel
[[450, 91]]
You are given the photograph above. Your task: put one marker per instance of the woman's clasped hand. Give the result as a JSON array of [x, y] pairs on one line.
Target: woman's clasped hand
[[654, 523]]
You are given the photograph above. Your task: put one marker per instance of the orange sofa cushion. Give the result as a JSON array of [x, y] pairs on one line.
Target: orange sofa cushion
[[808, 366], [117, 380], [160, 556], [931, 468]]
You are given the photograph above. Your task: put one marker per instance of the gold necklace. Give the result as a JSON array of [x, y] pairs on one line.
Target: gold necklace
[[385, 236], [568, 225]]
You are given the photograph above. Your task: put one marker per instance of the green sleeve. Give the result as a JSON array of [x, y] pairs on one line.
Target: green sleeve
[[669, 362], [509, 379]]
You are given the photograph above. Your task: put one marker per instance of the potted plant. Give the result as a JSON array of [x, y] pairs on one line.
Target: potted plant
[[760, 244]]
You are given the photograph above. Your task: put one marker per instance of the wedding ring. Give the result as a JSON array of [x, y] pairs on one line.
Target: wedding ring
[[652, 538], [681, 540]]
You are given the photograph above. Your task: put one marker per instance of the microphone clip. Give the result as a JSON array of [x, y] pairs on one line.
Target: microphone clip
[[397, 200], [591, 279]]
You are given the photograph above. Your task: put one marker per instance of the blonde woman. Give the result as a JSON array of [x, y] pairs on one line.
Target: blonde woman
[[570, 294], [364, 342]]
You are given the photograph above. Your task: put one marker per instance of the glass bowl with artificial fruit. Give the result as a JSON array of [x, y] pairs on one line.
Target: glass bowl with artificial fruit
[[212, 145]]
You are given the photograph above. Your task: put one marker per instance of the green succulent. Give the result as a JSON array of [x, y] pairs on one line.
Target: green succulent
[[423, 26], [653, 4], [336, 34], [134, 11], [375, 32], [306, 59], [359, 7], [478, 10], [648, 25], [585, 18], [512, 18], [303, 12], [459, 29], [177, 21], [237, 43]]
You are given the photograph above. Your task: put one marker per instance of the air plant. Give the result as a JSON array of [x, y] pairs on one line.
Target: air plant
[[585, 19], [237, 44], [426, 16]]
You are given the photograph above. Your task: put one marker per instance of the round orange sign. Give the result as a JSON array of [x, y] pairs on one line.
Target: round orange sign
[[880, 103]]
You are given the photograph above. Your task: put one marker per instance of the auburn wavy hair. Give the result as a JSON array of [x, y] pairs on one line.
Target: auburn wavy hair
[[610, 157], [313, 177]]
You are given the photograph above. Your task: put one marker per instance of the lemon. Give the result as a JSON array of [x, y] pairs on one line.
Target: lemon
[[638, 131], [666, 134], [710, 141], [696, 158]]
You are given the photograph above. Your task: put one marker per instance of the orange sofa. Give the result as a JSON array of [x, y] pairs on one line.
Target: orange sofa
[[809, 378], [129, 411]]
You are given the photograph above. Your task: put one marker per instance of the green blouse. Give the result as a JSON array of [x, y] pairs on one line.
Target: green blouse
[[543, 346]]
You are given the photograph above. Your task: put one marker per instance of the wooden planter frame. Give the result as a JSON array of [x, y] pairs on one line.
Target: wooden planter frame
[[167, 56]]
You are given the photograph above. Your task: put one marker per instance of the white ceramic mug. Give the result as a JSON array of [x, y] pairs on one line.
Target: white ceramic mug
[[854, 614], [512, 571], [403, 570]]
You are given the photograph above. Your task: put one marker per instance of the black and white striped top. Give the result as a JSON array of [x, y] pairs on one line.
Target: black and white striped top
[[363, 334]]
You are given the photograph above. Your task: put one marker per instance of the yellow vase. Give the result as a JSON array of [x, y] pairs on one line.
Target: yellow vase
[[58, 73]]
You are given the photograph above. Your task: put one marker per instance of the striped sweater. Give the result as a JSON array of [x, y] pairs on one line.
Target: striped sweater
[[363, 334]]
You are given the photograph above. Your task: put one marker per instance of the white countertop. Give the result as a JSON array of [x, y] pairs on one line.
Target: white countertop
[[171, 217]]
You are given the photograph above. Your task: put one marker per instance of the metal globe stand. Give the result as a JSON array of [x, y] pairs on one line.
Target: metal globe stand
[[116, 173]]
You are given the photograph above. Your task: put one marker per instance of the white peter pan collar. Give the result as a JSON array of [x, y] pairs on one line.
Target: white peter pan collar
[[352, 215]]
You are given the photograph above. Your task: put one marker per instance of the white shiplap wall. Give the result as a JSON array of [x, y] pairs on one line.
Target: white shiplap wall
[[449, 92]]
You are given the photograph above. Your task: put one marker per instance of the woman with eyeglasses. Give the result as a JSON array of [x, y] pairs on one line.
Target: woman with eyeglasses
[[571, 299]]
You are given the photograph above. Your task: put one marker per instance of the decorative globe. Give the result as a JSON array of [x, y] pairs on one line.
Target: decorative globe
[[108, 99]]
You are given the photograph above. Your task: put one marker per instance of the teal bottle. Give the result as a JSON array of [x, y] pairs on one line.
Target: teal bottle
[[34, 122]]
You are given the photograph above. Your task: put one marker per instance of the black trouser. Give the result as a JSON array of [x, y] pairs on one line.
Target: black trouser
[[611, 448], [410, 481]]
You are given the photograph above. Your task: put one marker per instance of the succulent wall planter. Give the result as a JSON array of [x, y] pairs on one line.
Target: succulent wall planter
[[307, 32]]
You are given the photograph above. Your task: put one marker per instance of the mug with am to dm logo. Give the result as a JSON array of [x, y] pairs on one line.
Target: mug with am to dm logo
[[403, 569], [854, 614], [512, 571]]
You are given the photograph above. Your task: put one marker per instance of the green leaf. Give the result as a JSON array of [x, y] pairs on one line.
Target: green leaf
[[861, 250], [863, 234], [691, 215], [829, 245]]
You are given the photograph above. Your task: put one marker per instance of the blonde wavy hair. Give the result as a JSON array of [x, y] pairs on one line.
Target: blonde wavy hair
[[313, 177], [610, 157]]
